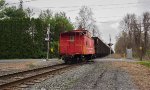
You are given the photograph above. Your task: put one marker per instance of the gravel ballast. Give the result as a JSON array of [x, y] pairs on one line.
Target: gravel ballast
[[98, 75], [18, 65]]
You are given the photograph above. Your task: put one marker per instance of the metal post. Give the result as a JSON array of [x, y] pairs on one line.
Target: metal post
[[48, 40], [110, 44], [110, 51], [47, 50]]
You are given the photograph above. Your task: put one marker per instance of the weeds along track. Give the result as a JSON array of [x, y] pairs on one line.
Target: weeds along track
[[23, 79]]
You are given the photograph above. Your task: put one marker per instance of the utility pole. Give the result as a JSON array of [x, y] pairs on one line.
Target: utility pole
[[48, 40]]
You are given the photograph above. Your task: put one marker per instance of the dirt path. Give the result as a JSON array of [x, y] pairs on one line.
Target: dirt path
[[140, 74]]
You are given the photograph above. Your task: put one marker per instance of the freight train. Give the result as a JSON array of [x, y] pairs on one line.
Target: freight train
[[79, 45]]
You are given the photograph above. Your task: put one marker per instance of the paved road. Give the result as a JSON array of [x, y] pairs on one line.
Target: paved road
[[113, 60], [24, 60]]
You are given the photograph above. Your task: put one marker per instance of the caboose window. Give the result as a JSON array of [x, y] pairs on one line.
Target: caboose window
[[86, 43], [71, 38]]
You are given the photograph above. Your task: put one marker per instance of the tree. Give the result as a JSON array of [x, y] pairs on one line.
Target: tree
[[136, 34], [23, 37], [29, 12], [16, 40], [86, 21], [85, 17], [46, 15], [13, 12], [62, 24], [58, 23], [121, 44], [131, 33], [2, 5], [146, 29], [21, 4]]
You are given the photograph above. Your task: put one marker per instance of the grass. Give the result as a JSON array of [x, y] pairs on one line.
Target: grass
[[145, 63]]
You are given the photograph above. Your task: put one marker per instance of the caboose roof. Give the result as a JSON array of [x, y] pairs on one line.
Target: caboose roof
[[74, 31], [85, 32]]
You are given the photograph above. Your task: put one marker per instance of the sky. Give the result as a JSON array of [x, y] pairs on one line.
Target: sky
[[107, 13]]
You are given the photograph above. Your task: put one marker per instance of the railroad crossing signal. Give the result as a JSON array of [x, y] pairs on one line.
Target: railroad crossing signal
[[110, 44], [48, 40]]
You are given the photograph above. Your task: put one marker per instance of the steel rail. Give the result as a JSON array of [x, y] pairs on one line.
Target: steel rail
[[36, 74]]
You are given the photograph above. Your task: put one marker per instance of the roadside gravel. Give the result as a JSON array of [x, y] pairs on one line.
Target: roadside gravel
[[105, 77], [98, 75]]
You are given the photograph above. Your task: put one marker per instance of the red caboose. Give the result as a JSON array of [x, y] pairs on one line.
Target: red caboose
[[75, 45]]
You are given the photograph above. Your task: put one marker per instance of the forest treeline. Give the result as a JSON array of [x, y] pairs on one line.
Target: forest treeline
[[135, 34], [22, 36]]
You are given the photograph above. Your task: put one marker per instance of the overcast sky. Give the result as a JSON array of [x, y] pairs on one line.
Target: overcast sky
[[107, 13]]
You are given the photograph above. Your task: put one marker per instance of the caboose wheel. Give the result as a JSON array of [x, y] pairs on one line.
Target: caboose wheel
[[67, 62], [78, 60]]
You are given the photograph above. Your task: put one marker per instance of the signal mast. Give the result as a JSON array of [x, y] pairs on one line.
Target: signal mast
[[48, 40], [110, 44]]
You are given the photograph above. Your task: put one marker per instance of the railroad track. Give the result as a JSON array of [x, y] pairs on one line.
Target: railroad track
[[23, 79]]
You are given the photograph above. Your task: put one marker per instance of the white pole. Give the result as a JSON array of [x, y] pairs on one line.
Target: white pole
[[48, 32]]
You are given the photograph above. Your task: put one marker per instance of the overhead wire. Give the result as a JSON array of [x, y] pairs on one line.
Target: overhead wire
[[96, 6], [24, 1], [72, 10], [105, 8], [99, 5]]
